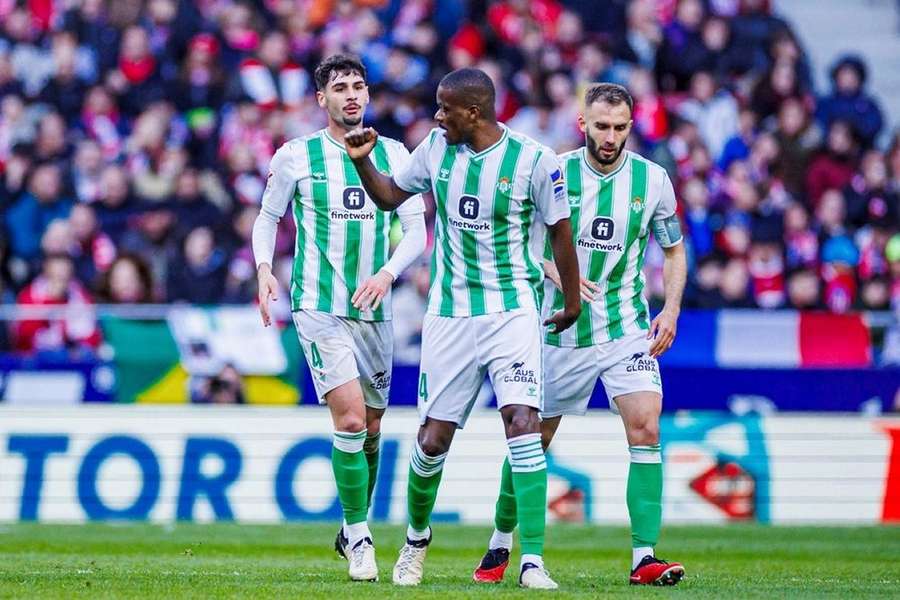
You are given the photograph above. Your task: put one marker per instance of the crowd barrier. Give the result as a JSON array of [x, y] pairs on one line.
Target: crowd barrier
[[254, 464]]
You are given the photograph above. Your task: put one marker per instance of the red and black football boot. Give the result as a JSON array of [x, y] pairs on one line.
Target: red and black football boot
[[654, 571], [492, 566]]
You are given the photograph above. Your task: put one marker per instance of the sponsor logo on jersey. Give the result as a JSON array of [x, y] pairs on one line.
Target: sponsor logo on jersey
[[469, 206], [354, 198], [469, 209], [640, 362], [574, 200], [381, 380], [520, 373], [318, 176], [444, 175], [589, 244], [603, 229]]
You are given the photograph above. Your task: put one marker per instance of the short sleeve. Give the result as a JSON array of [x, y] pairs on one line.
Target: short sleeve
[[400, 158], [666, 206], [415, 176], [548, 188]]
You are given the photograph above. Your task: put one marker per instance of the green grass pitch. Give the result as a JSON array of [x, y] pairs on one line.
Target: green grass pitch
[[296, 561]]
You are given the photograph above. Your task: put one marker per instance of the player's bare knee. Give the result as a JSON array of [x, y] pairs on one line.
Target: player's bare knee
[[373, 425], [644, 432], [351, 423], [521, 420], [433, 442]]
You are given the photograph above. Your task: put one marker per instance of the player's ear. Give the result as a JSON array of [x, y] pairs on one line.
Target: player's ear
[[320, 98], [582, 126]]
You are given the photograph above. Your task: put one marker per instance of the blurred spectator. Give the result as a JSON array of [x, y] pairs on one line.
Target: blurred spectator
[[682, 52], [28, 218], [803, 290], [92, 250], [735, 284], [868, 198], [839, 257], [834, 166], [137, 80], [115, 204], [198, 274], [127, 281], [797, 138], [56, 285], [714, 112], [271, 78], [410, 300], [849, 101], [226, 387]]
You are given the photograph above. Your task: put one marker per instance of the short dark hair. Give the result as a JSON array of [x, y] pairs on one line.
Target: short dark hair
[[474, 86], [611, 93], [342, 63]]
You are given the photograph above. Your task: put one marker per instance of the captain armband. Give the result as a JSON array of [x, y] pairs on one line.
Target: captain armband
[[667, 231]]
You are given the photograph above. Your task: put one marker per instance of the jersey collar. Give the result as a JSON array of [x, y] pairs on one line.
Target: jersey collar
[[584, 159], [493, 146]]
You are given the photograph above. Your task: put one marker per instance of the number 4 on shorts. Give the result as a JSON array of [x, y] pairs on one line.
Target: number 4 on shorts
[[423, 386], [316, 357]]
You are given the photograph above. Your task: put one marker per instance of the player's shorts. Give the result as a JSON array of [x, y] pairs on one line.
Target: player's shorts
[[458, 351], [623, 365], [339, 350]]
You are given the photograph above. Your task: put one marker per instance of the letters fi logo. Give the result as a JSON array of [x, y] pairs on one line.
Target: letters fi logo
[[469, 207], [603, 229], [354, 198]]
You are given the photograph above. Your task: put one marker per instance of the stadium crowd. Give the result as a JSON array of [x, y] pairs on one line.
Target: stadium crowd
[[135, 137]]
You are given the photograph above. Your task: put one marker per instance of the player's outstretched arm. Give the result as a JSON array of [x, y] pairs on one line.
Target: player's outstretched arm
[[381, 188], [567, 266], [665, 324]]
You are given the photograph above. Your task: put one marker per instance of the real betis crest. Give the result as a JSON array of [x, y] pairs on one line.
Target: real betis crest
[[503, 185], [637, 204]]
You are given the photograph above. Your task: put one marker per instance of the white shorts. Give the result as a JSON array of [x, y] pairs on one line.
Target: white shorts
[[624, 365], [458, 351], [339, 350]]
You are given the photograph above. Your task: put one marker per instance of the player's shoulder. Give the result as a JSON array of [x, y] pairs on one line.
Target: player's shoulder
[[654, 170], [570, 155], [390, 143], [296, 146], [530, 144]]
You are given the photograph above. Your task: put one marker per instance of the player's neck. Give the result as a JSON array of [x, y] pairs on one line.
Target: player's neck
[[485, 137], [336, 132], [602, 168]]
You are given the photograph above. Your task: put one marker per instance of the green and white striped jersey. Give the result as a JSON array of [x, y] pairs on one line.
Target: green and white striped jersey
[[489, 227], [342, 237], [611, 218]]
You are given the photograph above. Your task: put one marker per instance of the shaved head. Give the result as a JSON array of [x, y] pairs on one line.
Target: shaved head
[[471, 87]]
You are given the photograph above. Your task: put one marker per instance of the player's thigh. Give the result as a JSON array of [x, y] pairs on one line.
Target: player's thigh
[[328, 347], [374, 349], [449, 372], [509, 345], [570, 375], [632, 373], [348, 412]]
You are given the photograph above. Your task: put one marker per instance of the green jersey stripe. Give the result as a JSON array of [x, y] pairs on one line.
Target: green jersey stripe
[[382, 223], [299, 250], [470, 245], [636, 205], [440, 201], [502, 257], [352, 238], [535, 273], [574, 185], [584, 326], [640, 306], [319, 173]]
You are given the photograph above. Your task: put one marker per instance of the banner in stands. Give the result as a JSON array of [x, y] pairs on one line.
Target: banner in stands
[[253, 464]]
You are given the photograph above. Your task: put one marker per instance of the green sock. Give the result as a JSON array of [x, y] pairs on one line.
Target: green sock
[[351, 474], [424, 479], [372, 450], [505, 516], [644, 495], [529, 479]]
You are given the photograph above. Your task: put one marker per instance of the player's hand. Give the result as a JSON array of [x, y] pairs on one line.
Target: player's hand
[[662, 332], [589, 289], [369, 295], [268, 289], [563, 319], [360, 142]]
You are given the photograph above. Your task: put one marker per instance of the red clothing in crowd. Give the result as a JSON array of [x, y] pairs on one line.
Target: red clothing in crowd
[[78, 328]]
